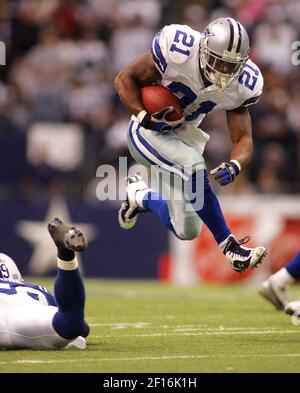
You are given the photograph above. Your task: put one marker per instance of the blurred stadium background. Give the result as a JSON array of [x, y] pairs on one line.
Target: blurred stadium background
[[60, 119]]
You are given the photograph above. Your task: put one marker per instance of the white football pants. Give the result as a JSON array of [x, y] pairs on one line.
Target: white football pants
[[175, 156]]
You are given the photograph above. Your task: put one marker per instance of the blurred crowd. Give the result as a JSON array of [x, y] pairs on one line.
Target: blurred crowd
[[62, 57]]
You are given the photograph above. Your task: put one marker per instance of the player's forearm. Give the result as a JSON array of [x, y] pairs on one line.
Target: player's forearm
[[242, 150], [240, 129], [129, 92], [141, 72]]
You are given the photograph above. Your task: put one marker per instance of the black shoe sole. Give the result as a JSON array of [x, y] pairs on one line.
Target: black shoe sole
[[68, 236]]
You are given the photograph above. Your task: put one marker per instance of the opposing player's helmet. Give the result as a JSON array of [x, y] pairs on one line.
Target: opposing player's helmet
[[224, 50], [9, 270]]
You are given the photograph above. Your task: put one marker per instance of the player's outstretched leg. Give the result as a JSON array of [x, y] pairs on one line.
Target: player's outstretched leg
[[69, 290], [240, 258], [275, 288], [141, 198]]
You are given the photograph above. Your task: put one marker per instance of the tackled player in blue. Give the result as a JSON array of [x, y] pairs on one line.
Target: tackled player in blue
[[33, 318]]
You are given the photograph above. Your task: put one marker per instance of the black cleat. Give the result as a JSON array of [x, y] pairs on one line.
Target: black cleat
[[67, 236], [242, 258]]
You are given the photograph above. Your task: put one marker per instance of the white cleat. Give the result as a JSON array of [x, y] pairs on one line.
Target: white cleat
[[293, 307], [129, 209], [242, 258], [275, 294]]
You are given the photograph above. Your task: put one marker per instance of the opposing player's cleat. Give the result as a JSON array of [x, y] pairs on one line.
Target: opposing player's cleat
[[129, 209], [293, 307], [242, 258], [67, 236], [274, 293]]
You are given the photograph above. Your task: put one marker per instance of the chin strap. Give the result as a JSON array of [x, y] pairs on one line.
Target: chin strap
[[223, 83], [219, 80]]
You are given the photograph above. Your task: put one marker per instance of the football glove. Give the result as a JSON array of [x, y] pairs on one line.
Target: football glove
[[226, 172], [158, 121]]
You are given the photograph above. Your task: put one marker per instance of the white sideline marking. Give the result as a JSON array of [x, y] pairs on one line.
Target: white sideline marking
[[125, 359], [205, 333]]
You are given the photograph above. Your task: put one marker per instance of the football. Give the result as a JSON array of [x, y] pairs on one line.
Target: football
[[155, 98]]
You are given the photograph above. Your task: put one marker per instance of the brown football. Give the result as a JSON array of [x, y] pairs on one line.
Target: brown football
[[155, 98]]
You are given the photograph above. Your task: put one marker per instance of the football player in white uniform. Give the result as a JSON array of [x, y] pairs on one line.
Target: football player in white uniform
[[275, 288], [208, 72], [31, 317]]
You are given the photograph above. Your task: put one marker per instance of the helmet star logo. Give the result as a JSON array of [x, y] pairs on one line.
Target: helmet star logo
[[208, 32]]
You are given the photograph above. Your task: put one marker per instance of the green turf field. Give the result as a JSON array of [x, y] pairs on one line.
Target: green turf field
[[141, 326]]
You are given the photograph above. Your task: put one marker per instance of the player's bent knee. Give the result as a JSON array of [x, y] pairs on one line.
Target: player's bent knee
[[186, 236], [68, 325], [190, 233]]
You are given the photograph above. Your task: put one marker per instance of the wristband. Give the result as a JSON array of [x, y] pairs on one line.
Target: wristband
[[235, 163]]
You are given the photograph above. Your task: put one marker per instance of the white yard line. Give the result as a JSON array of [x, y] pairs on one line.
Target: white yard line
[[205, 333], [146, 358], [149, 325], [119, 325], [165, 294]]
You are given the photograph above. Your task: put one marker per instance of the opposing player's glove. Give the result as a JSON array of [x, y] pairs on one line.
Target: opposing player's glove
[[226, 172], [158, 121]]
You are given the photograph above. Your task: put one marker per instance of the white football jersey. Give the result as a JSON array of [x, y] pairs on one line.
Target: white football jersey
[[26, 316], [26, 293], [175, 52]]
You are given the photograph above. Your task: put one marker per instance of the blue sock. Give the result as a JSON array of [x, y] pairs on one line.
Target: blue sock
[[210, 212], [154, 203], [69, 293], [293, 267]]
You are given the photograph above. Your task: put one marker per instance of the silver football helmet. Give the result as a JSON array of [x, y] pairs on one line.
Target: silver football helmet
[[224, 50], [9, 270]]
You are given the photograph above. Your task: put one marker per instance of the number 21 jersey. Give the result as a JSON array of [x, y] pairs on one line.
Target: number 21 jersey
[[175, 52]]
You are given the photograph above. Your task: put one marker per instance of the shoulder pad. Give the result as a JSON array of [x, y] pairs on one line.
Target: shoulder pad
[[174, 44], [181, 41]]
